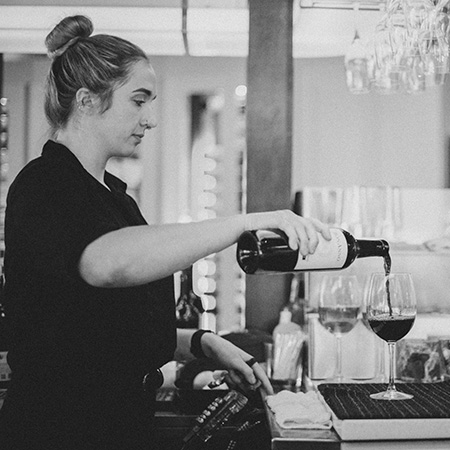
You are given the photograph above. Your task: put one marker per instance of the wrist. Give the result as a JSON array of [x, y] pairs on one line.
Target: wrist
[[196, 343], [247, 222]]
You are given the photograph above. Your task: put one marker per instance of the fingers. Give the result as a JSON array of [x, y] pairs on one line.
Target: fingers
[[250, 362], [322, 228], [311, 229], [302, 233], [307, 236], [235, 378], [242, 369], [262, 376], [246, 370], [255, 376]]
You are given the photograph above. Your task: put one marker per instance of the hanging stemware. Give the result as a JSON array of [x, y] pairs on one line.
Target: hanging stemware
[[437, 58], [357, 63]]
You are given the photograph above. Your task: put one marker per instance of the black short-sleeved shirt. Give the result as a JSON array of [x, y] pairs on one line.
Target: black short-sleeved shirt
[[65, 330]]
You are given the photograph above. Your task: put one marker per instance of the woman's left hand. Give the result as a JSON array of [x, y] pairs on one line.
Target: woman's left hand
[[243, 370]]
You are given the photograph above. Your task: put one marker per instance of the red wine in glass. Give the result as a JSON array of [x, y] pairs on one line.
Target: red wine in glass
[[391, 328], [391, 311]]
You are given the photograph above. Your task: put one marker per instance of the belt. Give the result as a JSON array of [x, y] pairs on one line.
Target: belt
[[153, 380]]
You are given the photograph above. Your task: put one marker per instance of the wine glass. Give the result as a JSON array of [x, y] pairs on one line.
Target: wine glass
[[391, 313], [356, 62], [339, 304]]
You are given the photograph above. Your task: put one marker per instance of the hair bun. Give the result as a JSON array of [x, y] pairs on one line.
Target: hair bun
[[66, 33]]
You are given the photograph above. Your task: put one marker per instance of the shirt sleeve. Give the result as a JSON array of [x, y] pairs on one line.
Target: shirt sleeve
[[48, 225]]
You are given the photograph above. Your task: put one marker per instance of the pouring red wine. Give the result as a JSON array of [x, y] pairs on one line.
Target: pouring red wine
[[391, 312]]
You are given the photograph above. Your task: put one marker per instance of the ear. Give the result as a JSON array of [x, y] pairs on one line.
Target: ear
[[86, 100]]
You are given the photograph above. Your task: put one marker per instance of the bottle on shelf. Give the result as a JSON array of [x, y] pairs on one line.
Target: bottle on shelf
[[288, 338], [297, 303], [189, 305], [269, 251], [285, 324]]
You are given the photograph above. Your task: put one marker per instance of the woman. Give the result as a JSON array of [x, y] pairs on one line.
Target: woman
[[89, 289]]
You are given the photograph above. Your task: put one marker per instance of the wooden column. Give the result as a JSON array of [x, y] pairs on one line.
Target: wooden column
[[269, 139]]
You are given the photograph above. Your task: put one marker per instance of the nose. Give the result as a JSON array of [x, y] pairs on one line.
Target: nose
[[149, 119]]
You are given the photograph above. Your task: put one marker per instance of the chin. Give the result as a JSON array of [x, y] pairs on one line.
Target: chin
[[128, 149]]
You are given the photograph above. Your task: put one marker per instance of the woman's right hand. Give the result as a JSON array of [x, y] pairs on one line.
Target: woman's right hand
[[302, 233]]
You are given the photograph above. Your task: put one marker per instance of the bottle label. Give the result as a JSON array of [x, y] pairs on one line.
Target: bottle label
[[328, 255]]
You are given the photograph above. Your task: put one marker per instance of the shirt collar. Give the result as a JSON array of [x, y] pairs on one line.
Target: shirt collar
[[55, 150]]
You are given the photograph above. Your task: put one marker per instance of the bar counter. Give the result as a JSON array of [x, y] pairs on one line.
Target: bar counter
[[173, 425], [284, 439], [417, 433]]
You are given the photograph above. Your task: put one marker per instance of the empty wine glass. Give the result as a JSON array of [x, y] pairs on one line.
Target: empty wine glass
[[339, 304], [357, 63], [391, 313]]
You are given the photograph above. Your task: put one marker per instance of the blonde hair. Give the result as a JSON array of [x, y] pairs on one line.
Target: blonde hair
[[99, 63]]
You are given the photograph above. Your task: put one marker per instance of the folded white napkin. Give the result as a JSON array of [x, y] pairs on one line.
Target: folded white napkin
[[299, 410]]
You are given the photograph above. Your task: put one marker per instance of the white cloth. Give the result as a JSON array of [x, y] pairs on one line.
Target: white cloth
[[299, 410]]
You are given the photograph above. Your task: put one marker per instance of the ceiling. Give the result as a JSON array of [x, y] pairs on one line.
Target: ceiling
[[180, 27]]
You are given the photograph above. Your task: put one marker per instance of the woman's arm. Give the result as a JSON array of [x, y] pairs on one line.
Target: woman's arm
[[136, 255], [228, 355]]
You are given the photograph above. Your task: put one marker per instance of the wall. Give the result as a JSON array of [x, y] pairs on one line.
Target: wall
[[343, 139]]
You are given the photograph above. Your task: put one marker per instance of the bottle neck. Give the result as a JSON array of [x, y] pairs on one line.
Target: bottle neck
[[297, 287], [366, 248], [285, 316]]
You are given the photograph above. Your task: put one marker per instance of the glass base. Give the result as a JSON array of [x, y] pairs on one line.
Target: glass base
[[391, 395], [337, 379]]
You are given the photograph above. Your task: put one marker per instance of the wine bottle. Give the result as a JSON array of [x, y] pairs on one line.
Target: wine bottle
[[189, 305], [269, 251]]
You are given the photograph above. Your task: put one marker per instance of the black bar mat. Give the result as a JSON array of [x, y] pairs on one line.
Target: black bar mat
[[352, 401]]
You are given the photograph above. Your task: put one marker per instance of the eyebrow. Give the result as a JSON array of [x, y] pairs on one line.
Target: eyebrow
[[144, 91]]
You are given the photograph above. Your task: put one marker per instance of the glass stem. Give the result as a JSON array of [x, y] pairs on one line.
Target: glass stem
[[339, 356], [391, 385]]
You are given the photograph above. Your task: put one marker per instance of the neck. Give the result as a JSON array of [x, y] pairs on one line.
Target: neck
[[88, 153]]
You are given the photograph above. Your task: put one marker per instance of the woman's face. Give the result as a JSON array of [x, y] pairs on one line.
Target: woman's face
[[121, 127]]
